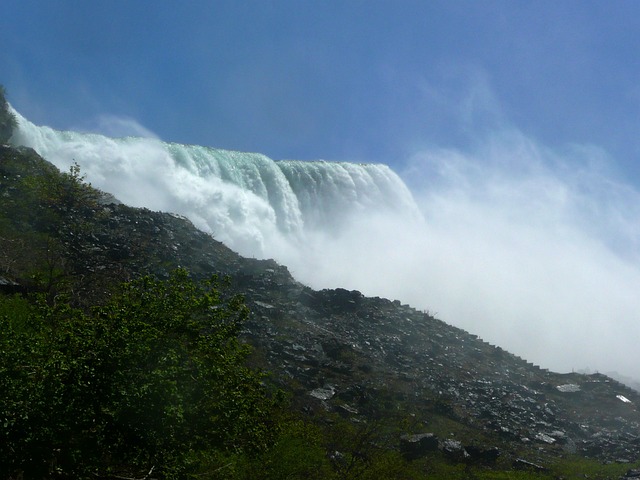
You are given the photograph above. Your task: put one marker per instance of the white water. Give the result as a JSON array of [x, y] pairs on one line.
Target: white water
[[257, 206], [536, 250]]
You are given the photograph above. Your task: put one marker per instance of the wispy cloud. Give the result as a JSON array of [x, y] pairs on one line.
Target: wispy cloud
[[115, 126], [463, 91]]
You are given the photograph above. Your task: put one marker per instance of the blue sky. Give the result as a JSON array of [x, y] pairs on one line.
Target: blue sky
[[370, 81]]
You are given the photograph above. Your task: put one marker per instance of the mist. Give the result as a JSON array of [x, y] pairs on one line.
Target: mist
[[532, 248]]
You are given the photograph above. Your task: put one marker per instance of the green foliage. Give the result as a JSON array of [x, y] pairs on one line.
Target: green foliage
[[578, 467], [63, 202], [16, 310], [148, 380], [47, 226], [297, 453]]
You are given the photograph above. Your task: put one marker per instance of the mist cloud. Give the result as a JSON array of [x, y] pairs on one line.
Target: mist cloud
[[534, 249], [116, 126]]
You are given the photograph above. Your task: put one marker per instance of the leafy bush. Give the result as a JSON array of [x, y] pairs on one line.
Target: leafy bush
[[296, 453], [144, 382]]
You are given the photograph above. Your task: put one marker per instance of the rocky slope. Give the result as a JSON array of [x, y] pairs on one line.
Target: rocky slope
[[354, 354], [339, 352]]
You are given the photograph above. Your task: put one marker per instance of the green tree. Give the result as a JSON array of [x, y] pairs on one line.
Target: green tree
[[152, 380], [48, 221]]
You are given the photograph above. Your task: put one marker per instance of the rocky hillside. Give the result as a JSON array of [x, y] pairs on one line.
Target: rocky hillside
[[425, 384]]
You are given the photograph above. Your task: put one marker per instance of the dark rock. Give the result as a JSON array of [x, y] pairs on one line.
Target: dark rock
[[418, 445], [482, 456], [9, 286], [454, 450]]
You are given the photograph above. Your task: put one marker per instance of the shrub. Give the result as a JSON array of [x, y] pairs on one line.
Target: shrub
[[144, 382]]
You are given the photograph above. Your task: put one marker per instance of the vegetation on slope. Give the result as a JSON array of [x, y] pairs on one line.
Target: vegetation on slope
[[151, 379]]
